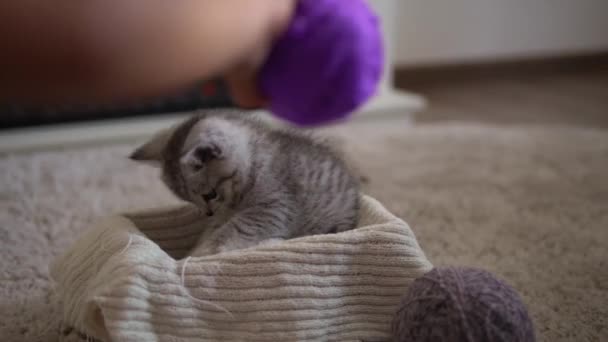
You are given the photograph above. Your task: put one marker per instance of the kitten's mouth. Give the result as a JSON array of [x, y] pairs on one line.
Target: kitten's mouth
[[207, 212], [208, 197]]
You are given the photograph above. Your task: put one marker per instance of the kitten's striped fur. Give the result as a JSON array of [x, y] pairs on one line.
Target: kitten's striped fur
[[257, 183]]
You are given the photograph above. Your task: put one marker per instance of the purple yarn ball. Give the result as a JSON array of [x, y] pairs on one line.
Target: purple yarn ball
[[462, 304], [327, 63]]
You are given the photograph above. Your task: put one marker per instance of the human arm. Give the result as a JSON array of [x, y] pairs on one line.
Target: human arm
[[106, 50]]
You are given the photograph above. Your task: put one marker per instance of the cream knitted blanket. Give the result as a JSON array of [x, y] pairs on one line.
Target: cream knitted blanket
[[127, 280]]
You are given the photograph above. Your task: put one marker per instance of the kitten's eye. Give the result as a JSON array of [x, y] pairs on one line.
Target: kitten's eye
[[196, 167], [210, 196], [205, 154]]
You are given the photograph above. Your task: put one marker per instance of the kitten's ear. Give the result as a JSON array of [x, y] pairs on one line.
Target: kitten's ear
[[152, 151]]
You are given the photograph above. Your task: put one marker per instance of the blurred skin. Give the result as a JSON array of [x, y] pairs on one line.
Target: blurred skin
[[68, 51]]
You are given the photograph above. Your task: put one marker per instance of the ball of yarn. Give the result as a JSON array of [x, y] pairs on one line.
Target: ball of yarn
[[327, 63], [462, 304]]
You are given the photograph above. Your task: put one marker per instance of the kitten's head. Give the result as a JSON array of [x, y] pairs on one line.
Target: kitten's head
[[204, 161]]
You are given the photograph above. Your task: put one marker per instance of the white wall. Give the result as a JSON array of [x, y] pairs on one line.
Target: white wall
[[386, 11], [444, 31]]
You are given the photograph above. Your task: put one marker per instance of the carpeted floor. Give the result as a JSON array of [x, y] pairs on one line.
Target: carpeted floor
[[528, 203]]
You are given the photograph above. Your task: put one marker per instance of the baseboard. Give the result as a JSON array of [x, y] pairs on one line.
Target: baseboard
[[392, 103], [389, 103], [411, 77]]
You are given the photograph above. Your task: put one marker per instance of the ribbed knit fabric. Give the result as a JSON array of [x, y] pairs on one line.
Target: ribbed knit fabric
[[122, 281]]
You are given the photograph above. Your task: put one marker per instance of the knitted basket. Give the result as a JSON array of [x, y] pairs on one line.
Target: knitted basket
[[127, 280]]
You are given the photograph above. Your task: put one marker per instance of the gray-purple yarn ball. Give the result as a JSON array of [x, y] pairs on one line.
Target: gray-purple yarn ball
[[462, 304]]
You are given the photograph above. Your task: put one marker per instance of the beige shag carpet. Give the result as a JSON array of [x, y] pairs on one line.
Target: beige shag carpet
[[527, 203]]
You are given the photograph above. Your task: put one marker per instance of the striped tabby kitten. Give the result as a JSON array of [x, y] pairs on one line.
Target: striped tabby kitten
[[256, 183]]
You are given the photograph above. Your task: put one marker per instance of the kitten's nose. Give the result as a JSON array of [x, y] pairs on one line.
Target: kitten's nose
[[209, 212]]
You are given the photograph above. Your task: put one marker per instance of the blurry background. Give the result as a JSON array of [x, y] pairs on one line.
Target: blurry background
[[506, 61], [206, 94], [444, 32], [480, 60]]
